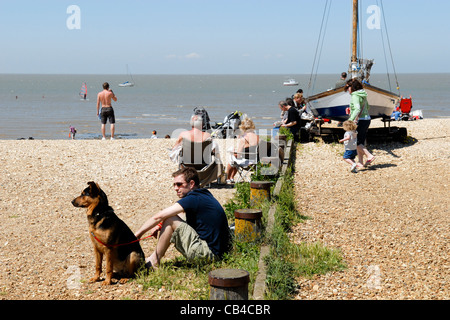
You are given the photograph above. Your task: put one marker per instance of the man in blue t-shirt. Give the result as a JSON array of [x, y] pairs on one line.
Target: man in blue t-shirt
[[203, 235]]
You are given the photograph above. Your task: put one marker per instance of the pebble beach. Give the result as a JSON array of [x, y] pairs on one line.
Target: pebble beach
[[390, 221], [44, 243]]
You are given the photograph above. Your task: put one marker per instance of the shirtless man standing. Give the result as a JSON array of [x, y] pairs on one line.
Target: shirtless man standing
[[104, 97]]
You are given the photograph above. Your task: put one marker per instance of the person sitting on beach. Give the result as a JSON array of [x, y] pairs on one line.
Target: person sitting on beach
[[300, 105], [290, 101], [293, 120], [247, 145], [299, 102], [107, 113], [203, 235], [195, 135], [283, 114], [154, 136], [350, 141]]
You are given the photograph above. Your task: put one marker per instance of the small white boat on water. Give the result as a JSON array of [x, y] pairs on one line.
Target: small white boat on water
[[127, 83], [290, 82]]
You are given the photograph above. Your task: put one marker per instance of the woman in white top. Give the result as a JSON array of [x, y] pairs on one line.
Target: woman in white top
[[245, 154]]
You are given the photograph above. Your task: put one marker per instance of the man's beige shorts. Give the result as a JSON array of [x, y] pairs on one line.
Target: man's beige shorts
[[190, 245]]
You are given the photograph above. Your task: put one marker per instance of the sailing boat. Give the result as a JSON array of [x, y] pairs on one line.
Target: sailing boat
[[334, 104], [83, 91], [127, 83]]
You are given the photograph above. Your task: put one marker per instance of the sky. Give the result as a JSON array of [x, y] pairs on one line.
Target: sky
[[216, 37]]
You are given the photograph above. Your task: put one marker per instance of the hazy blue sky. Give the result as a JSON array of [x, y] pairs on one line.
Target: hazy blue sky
[[214, 37]]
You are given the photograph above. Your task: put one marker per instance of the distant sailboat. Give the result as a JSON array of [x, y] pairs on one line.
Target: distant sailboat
[[83, 91], [127, 83]]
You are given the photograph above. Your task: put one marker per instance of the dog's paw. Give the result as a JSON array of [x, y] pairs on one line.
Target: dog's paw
[[94, 279], [123, 280]]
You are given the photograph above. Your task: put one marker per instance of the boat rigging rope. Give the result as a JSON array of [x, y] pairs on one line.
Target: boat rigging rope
[[389, 45], [320, 41]]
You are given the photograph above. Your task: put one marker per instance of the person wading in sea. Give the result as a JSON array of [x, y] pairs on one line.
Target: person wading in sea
[[107, 113]]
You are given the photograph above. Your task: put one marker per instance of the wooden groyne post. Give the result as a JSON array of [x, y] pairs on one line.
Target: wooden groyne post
[[259, 192], [228, 284], [247, 224]]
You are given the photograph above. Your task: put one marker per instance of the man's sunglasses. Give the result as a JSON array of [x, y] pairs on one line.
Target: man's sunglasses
[[178, 184]]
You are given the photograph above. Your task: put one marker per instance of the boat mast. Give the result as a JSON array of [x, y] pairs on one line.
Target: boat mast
[[354, 61]]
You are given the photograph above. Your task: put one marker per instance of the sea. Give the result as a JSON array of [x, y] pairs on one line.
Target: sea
[[45, 106]]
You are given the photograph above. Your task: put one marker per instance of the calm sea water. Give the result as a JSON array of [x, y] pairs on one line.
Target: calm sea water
[[44, 106]]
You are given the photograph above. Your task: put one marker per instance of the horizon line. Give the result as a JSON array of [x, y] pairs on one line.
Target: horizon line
[[210, 74]]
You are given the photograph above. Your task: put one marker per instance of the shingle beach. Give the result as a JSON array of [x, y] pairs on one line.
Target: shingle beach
[[391, 221]]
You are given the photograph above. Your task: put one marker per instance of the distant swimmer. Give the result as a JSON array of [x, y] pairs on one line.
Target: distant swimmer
[[107, 112]]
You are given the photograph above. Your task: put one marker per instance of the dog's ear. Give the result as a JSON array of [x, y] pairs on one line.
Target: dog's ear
[[93, 188], [103, 197], [96, 191]]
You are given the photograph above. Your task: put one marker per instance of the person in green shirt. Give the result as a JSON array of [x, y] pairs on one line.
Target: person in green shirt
[[359, 113]]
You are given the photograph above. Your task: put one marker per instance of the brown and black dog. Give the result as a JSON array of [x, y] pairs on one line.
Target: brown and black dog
[[110, 236]]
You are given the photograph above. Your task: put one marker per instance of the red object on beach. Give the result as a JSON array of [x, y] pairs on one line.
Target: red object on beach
[[405, 105], [323, 119]]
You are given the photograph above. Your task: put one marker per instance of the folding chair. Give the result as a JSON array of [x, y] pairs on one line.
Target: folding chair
[[246, 168], [200, 156]]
